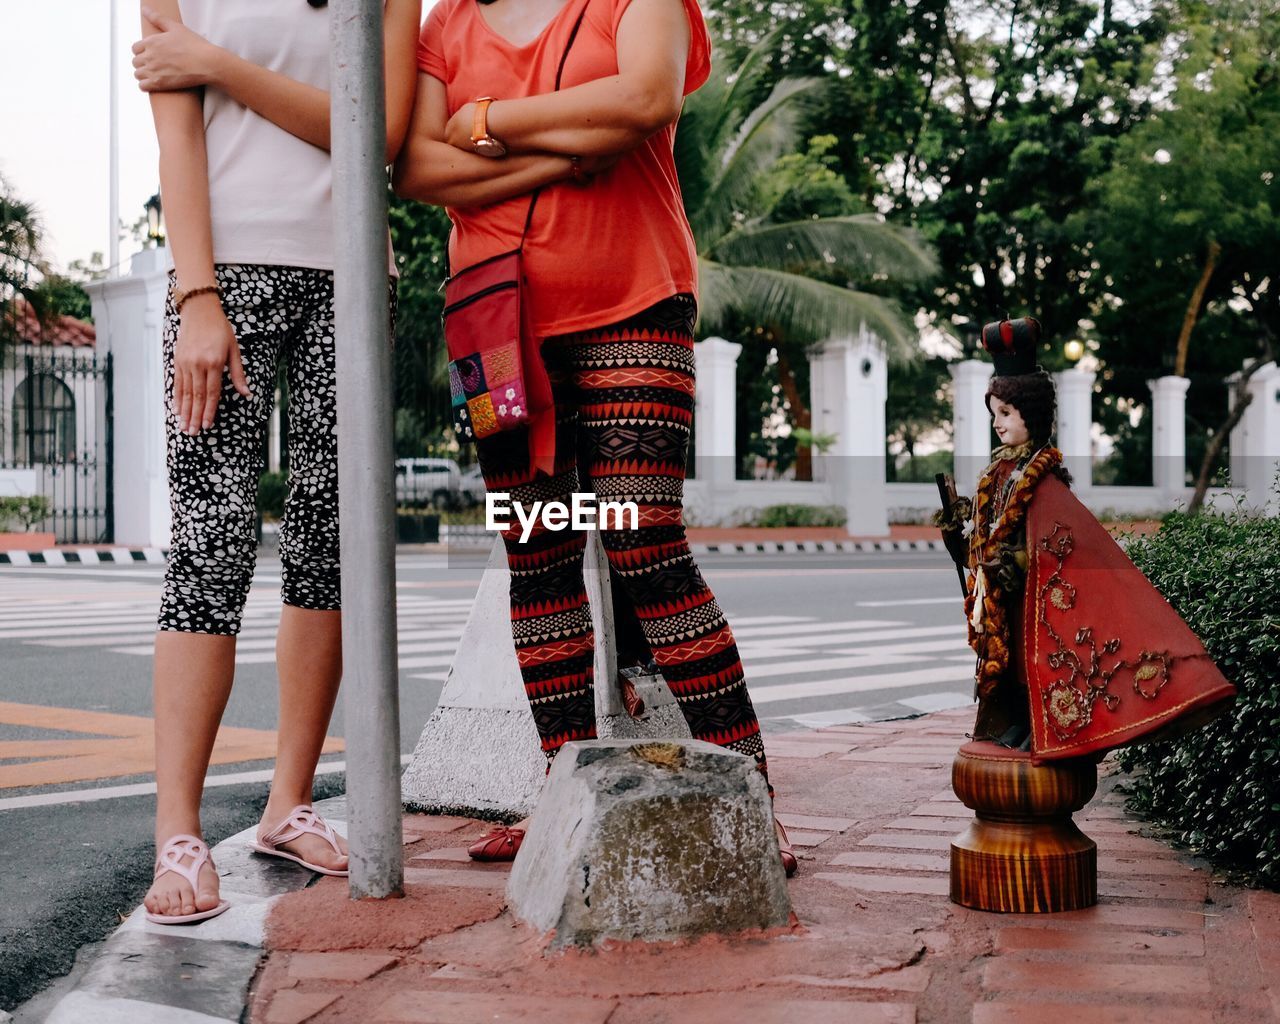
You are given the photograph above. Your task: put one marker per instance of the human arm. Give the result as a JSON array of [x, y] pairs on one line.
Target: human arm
[[206, 344], [174, 57], [432, 171], [611, 115]]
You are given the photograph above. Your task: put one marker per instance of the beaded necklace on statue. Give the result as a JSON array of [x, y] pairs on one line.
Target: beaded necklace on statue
[[1016, 453], [999, 510]]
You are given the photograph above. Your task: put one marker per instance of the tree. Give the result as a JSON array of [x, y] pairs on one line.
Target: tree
[[25, 275], [21, 277], [782, 242], [420, 236], [1196, 183]]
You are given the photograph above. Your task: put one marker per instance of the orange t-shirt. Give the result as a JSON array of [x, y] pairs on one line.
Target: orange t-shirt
[[594, 255]]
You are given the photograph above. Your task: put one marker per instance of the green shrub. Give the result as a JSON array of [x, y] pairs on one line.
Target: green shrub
[[25, 511], [1218, 788], [800, 515], [272, 488]]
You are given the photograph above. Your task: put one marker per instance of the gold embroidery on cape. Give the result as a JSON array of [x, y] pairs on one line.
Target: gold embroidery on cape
[[1070, 702]]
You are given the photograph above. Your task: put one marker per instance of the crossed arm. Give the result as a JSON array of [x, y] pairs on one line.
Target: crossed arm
[[597, 121]]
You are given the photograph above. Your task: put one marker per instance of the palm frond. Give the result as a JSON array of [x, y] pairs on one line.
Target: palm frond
[[805, 310], [769, 131], [862, 245]]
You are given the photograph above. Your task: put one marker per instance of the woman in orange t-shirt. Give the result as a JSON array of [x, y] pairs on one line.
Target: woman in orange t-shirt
[[611, 276]]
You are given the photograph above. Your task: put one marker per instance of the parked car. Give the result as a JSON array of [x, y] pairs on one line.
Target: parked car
[[472, 486], [434, 482]]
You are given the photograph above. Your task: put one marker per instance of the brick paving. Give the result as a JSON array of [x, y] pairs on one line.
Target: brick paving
[[877, 940]]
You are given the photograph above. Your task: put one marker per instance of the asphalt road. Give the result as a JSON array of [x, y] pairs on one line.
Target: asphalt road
[[824, 638]]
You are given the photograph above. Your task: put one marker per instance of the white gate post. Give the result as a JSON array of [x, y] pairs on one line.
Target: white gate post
[[850, 403], [1169, 435], [1255, 442], [715, 411], [1075, 423], [128, 313], [971, 421]]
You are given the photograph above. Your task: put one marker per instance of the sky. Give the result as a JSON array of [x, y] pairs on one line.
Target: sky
[[54, 120]]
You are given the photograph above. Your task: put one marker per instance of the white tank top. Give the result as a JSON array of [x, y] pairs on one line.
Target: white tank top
[[270, 193]]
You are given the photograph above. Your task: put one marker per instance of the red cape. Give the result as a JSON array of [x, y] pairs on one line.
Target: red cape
[[1107, 661]]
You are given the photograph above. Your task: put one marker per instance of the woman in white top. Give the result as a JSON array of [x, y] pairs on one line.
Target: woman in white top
[[239, 94]]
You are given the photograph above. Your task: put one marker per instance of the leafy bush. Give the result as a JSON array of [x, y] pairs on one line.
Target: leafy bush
[[24, 511], [800, 515], [1219, 787], [272, 488]]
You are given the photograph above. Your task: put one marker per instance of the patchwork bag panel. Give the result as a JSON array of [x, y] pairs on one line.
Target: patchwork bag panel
[[482, 333]]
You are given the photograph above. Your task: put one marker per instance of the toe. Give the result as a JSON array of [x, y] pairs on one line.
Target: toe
[[207, 898]]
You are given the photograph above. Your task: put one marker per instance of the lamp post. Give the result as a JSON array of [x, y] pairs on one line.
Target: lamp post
[[155, 220]]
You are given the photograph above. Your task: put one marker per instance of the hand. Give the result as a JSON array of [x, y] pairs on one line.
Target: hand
[[174, 58], [205, 347], [458, 131]]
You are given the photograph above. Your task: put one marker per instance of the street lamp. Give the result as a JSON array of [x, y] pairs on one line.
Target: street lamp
[[155, 220], [1073, 350]]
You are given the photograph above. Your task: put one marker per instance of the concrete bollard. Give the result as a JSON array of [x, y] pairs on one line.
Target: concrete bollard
[[635, 839]]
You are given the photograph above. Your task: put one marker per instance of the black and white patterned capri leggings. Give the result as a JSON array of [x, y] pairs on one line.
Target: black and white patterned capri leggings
[[277, 313]]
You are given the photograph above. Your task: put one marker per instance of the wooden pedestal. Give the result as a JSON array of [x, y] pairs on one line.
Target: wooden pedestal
[[1022, 853]]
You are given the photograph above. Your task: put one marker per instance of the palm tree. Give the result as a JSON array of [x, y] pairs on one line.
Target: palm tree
[[21, 271], [798, 278]]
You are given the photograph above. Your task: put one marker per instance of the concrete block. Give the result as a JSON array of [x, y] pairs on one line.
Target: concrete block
[[476, 760], [634, 839]]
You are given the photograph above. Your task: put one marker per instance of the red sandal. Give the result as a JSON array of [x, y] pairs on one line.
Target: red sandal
[[500, 844]]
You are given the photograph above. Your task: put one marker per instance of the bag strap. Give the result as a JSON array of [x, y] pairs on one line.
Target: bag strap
[[573, 34]]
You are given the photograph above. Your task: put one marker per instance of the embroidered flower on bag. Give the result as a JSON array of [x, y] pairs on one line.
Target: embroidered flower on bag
[[502, 409], [516, 411], [511, 392]]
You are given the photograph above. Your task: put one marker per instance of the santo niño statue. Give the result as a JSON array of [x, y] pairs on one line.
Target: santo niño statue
[[1078, 653]]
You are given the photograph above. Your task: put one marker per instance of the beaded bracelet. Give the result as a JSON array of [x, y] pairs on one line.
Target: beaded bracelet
[[180, 298]]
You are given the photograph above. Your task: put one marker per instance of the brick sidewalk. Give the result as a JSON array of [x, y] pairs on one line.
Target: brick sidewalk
[[877, 940]]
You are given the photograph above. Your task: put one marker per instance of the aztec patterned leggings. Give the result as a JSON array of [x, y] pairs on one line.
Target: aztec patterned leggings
[[277, 313], [624, 408]]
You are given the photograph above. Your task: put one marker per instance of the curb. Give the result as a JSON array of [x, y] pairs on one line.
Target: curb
[[192, 974], [156, 556], [83, 556], [828, 547]]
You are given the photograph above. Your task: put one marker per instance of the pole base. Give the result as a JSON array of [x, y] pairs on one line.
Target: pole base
[[1022, 854]]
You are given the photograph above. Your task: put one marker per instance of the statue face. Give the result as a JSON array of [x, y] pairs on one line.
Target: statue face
[[1008, 422]]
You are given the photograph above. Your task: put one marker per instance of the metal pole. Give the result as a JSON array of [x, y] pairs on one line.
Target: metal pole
[[365, 456], [113, 160]]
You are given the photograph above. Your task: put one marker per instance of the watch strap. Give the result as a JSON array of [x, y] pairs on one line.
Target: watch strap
[[480, 121]]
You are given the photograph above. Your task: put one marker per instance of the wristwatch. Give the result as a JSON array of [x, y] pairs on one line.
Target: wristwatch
[[481, 141]]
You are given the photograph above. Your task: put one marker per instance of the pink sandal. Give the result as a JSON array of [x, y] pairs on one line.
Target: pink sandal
[[302, 820], [171, 858]]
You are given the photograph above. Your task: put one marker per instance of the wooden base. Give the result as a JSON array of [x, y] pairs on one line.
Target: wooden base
[[1022, 854]]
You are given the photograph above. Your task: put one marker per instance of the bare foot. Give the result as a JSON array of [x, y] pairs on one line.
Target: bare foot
[[171, 895], [311, 848]]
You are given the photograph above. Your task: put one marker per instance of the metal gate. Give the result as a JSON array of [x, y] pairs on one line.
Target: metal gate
[[55, 438]]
